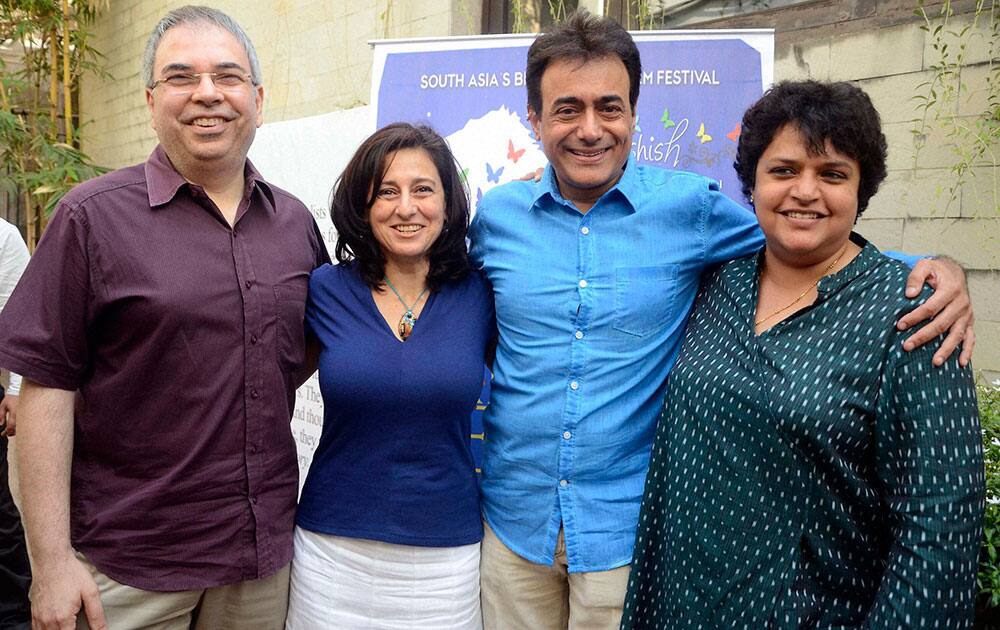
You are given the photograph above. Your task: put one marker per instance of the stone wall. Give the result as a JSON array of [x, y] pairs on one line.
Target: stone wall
[[879, 44], [314, 55]]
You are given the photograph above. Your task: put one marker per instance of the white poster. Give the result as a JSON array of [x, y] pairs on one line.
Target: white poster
[[305, 156]]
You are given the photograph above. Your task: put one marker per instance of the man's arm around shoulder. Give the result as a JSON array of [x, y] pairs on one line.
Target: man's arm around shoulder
[[61, 585]]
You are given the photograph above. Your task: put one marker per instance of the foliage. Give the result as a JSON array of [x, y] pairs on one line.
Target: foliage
[[39, 142], [528, 16], [988, 579], [973, 140]]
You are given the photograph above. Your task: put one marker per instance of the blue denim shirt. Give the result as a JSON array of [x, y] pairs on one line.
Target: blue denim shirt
[[591, 311]]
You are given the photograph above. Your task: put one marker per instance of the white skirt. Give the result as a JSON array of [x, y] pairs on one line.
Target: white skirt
[[350, 583]]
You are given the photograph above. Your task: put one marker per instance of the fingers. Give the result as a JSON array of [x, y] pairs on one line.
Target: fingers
[[93, 608], [968, 344], [61, 594], [920, 273], [926, 311], [534, 176], [942, 321], [11, 429], [947, 347]]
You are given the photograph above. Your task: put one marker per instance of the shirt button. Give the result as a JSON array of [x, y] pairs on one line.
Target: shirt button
[[254, 394], [578, 334], [253, 449], [567, 435], [253, 339], [574, 385], [563, 483], [253, 500], [585, 230], [247, 284], [583, 284]]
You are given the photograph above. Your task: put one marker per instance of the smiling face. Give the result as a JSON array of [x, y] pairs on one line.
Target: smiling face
[[408, 209], [806, 204], [208, 127], [585, 125]]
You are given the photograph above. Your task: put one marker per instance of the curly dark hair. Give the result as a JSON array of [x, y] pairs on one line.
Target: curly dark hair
[[839, 112], [584, 37], [353, 197]]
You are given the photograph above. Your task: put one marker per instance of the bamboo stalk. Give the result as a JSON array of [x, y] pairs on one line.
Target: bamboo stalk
[[32, 230], [53, 84], [67, 78], [4, 99]]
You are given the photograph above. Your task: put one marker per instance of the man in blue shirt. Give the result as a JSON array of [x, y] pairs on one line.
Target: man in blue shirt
[[594, 270]]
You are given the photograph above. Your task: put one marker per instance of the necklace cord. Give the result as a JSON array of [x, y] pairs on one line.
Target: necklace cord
[[407, 321], [803, 294]]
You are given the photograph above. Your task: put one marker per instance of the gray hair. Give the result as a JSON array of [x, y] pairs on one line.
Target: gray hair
[[194, 14]]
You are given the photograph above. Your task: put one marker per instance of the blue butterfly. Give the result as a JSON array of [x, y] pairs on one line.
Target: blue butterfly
[[479, 194], [493, 176]]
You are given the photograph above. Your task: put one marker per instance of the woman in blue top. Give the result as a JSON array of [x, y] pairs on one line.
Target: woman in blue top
[[388, 526]]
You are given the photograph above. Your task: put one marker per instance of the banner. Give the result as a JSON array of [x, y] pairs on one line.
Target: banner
[[695, 87]]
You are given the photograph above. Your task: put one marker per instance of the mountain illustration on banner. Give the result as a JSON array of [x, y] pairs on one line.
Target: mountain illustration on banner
[[495, 149]]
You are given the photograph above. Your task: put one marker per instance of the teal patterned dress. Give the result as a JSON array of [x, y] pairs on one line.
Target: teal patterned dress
[[814, 476]]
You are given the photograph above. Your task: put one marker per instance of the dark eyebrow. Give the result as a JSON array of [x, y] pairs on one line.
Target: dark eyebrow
[[230, 65], [572, 100], [838, 164], [611, 98], [176, 67], [417, 180], [183, 67], [565, 100], [830, 164]]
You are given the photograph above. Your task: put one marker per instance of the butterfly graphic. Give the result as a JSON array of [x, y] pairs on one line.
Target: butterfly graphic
[[464, 175], [704, 137], [734, 135], [479, 195], [513, 155], [637, 128], [493, 176], [665, 119]]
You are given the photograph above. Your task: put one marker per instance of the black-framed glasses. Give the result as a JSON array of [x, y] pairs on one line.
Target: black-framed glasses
[[189, 81]]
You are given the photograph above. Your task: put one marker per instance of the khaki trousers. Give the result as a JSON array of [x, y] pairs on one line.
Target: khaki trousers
[[251, 605], [519, 594]]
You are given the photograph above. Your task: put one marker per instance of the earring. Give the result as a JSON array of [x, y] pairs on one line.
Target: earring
[[751, 199]]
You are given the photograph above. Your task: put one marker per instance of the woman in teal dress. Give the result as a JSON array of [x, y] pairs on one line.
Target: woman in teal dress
[[808, 472]]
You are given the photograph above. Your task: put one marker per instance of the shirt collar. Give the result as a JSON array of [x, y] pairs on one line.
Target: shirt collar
[[628, 186], [868, 258], [163, 181]]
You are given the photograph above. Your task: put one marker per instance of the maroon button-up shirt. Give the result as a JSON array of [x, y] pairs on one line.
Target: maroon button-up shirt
[[183, 337]]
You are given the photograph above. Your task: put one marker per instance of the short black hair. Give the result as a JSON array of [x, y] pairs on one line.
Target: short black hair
[[355, 193], [583, 37], [839, 112]]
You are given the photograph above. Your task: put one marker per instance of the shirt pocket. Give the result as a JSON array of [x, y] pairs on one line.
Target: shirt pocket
[[644, 298], [290, 303]]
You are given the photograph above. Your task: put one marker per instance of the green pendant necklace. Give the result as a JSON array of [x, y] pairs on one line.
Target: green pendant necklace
[[408, 319]]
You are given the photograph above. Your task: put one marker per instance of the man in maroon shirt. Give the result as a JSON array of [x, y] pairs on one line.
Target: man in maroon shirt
[[159, 328]]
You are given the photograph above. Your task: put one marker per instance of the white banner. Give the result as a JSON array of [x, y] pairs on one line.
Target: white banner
[[305, 157]]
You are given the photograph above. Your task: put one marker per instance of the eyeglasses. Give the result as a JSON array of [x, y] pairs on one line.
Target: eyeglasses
[[189, 81]]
